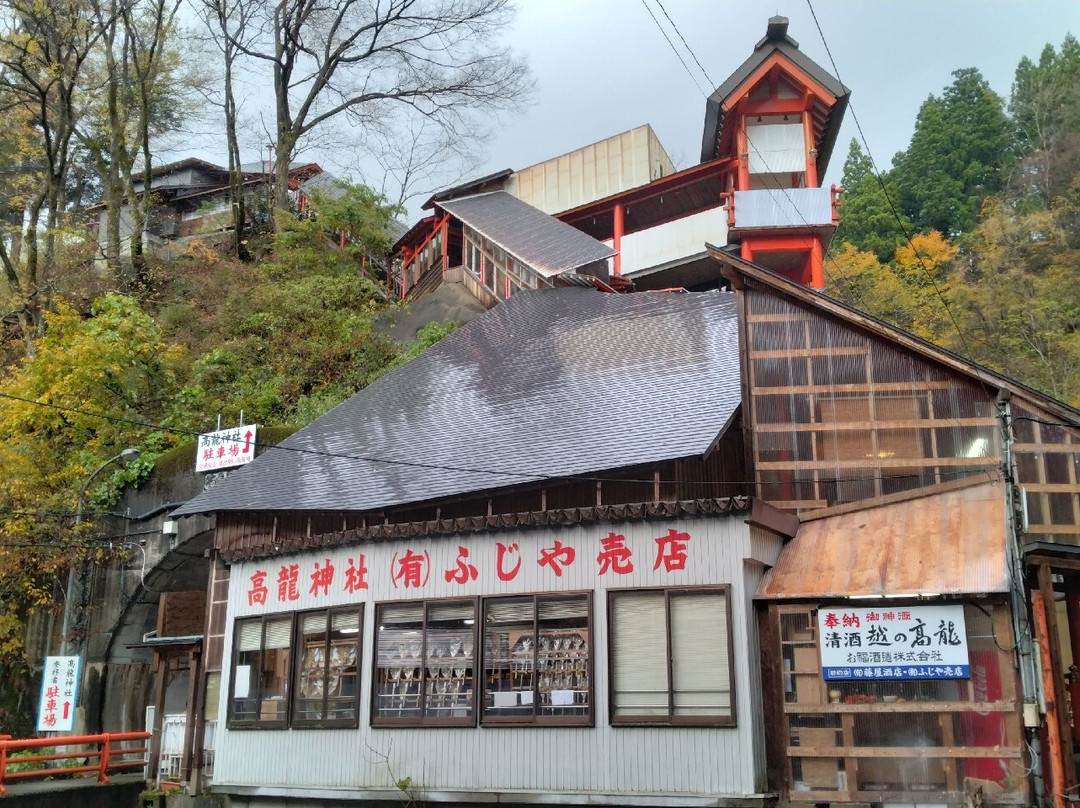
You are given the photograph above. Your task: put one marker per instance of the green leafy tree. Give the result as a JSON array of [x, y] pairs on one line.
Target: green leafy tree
[[114, 361], [959, 154], [867, 220], [1017, 297], [1045, 110]]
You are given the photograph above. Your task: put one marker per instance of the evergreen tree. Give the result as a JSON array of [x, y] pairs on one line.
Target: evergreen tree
[[1045, 109], [959, 155], [867, 221]]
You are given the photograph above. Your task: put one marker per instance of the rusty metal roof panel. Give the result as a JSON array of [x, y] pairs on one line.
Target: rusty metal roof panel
[[548, 384], [949, 543], [534, 238]]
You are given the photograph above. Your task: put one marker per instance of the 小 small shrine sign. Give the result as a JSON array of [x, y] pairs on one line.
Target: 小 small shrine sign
[[893, 642], [59, 694]]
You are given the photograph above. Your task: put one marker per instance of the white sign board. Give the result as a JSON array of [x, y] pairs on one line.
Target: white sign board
[[893, 642], [59, 693], [226, 448]]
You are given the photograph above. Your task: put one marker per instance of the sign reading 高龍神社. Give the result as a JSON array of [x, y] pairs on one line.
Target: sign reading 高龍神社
[[226, 448], [59, 693], [893, 642]]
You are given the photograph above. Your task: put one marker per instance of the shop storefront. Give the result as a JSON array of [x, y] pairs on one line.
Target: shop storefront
[[611, 659], [893, 673]]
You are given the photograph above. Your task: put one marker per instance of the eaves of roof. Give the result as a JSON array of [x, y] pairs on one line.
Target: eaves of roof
[[563, 517], [716, 104], [470, 187]]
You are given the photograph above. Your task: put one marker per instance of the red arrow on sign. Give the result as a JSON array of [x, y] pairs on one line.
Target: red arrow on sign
[[67, 710], [247, 441]]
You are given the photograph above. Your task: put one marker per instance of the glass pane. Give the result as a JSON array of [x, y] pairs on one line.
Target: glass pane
[[562, 656], [699, 654], [400, 643], [311, 668], [245, 683], [278, 633], [510, 654], [448, 675], [342, 674], [249, 637], [639, 654]]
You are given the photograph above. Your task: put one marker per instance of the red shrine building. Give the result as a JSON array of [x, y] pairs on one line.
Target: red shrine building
[[664, 526], [768, 136]]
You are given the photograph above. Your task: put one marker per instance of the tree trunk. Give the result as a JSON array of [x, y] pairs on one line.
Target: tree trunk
[[236, 178]]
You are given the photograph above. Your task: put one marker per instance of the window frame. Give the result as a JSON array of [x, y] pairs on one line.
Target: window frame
[[376, 721], [671, 720], [232, 722], [536, 720], [325, 721]]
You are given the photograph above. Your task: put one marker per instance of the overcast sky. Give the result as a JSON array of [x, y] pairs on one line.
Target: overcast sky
[[603, 67]]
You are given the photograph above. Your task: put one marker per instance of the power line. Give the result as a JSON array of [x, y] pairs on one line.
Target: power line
[[675, 50], [771, 191], [885, 191], [686, 44]]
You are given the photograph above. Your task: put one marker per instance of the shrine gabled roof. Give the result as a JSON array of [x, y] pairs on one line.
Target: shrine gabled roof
[[547, 385], [534, 238], [775, 41]]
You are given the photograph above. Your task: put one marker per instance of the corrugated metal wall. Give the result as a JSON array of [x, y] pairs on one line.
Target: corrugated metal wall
[[600, 760], [600, 169], [668, 242]]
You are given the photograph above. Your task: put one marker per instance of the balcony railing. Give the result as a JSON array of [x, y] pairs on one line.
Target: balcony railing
[[783, 207]]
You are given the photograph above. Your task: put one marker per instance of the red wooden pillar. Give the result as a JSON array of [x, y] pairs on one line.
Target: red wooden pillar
[[1053, 727], [811, 152], [817, 265], [743, 148], [445, 244], [617, 233], [746, 252]]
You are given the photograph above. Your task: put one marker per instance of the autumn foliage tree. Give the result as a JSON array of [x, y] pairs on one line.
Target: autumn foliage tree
[[114, 362]]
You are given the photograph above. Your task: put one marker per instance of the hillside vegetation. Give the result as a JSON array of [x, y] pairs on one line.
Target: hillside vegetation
[[281, 339], [972, 238]]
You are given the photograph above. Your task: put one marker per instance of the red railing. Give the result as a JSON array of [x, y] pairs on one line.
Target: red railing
[[104, 753]]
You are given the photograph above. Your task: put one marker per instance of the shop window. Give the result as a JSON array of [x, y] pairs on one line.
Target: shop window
[[260, 674], [940, 733], [537, 660], [424, 664], [671, 657], [327, 679]]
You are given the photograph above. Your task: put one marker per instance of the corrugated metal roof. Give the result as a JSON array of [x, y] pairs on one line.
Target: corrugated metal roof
[[542, 242], [548, 384], [952, 543], [639, 512], [325, 184]]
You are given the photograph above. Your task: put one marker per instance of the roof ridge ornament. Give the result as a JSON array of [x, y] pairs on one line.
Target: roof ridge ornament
[[777, 32]]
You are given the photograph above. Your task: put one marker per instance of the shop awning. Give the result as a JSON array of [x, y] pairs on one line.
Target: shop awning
[[948, 543]]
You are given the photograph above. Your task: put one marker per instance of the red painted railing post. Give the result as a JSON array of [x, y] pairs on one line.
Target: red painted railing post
[[103, 759], [3, 767]]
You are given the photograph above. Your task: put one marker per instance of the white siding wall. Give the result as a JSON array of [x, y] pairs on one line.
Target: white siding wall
[[673, 241], [456, 762], [600, 169]]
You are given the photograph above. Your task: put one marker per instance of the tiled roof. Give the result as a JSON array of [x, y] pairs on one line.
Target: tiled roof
[[548, 384], [542, 242]]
